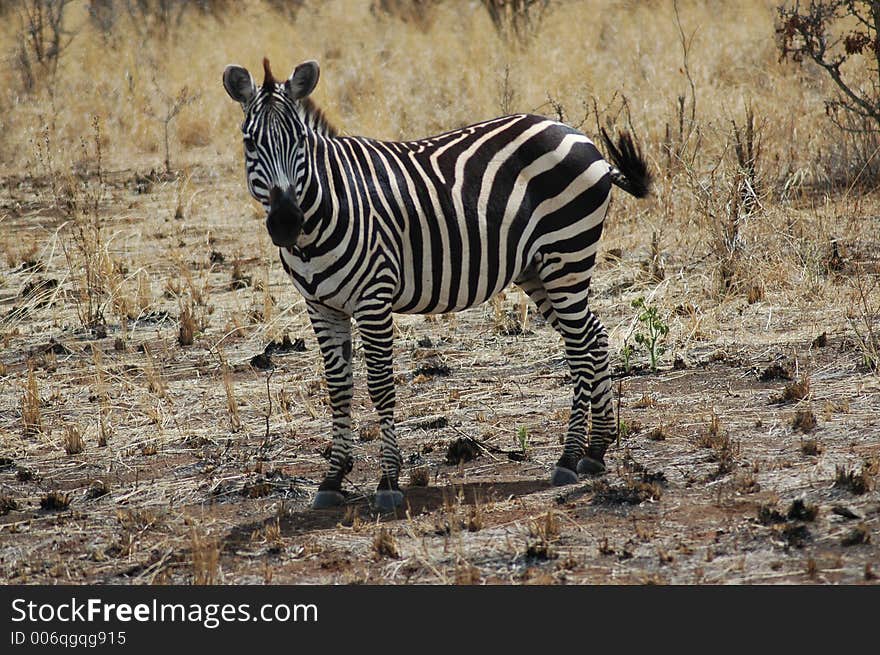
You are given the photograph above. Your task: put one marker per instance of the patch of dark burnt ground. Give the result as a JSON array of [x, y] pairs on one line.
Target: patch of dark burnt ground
[[639, 485], [8, 504], [790, 528], [631, 466], [774, 372], [263, 361], [573, 493], [285, 346], [437, 423], [800, 510], [861, 534], [631, 492], [845, 512], [51, 346], [795, 536], [462, 450], [276, 484], [432, 370], [769, 515]]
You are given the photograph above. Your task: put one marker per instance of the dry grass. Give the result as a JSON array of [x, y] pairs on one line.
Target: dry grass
[[856, 481], [231, 402], [420, 477], [272, 537], [377, 90], [811, 447], [657, 434], [797, 390], [384, 545], [31, 419], [73, 441], [189, 290], [187, 330], [861, 534], [543, 534], [205, 559], [97, 489], [802, 511], [804, 420], [155, 379]]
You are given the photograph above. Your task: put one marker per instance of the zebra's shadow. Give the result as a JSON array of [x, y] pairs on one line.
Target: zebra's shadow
[[417, 501], [424, 500]]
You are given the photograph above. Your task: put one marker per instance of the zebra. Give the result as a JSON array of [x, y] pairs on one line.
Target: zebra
[[368, 228]]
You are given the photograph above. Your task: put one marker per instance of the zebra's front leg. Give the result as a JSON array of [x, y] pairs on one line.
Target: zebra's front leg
[[333, 331], [376, 327]]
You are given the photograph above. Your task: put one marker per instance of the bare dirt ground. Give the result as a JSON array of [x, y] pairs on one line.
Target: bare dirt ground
[[750, 457]]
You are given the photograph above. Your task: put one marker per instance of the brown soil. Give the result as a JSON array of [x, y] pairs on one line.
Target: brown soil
[[709, 441]]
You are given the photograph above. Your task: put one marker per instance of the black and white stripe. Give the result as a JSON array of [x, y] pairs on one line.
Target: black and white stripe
[[432, 226]]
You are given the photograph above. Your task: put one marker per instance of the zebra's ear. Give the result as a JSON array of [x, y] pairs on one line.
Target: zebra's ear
[[239, 84], [303, 80]]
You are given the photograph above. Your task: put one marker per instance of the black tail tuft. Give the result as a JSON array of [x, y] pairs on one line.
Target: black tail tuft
[[631, 170]]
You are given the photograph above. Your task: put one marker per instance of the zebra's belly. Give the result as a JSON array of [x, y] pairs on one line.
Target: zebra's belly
[[443, 307], [460, 276]]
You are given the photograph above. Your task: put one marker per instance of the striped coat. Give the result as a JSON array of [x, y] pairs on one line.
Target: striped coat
[[367, 228]]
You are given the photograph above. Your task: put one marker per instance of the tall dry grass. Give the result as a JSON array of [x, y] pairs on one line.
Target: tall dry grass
[[396, 79]]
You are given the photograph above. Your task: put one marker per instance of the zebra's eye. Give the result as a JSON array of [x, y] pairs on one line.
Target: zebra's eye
[[249, 143]]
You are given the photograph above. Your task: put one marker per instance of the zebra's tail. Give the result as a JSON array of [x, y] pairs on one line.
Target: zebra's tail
[[630, 171]]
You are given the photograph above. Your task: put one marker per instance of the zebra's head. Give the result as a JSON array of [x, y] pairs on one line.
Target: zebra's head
[[273, 132]]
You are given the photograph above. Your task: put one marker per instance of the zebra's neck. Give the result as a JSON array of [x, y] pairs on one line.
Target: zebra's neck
[[309, 171], [314, 119], [311, 193]]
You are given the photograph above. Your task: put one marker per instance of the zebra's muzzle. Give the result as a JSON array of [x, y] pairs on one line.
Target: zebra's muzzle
[[285, 219]]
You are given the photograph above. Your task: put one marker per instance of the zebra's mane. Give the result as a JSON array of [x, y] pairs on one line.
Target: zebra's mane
[[310, 113], [314, 117]]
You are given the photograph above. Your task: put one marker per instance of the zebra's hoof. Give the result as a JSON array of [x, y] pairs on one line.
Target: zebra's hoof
[[328, 498], [387, 500], [563, 476], [590, 466]]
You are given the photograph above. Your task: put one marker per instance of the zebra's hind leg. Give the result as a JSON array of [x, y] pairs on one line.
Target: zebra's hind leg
[[534, 288], [603, 425], [565, 471], [586, 349], [333, 331], [377, 332]]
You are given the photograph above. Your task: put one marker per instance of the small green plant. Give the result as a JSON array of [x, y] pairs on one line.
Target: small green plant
[[655, 331], [626, 353], [522, 438]]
